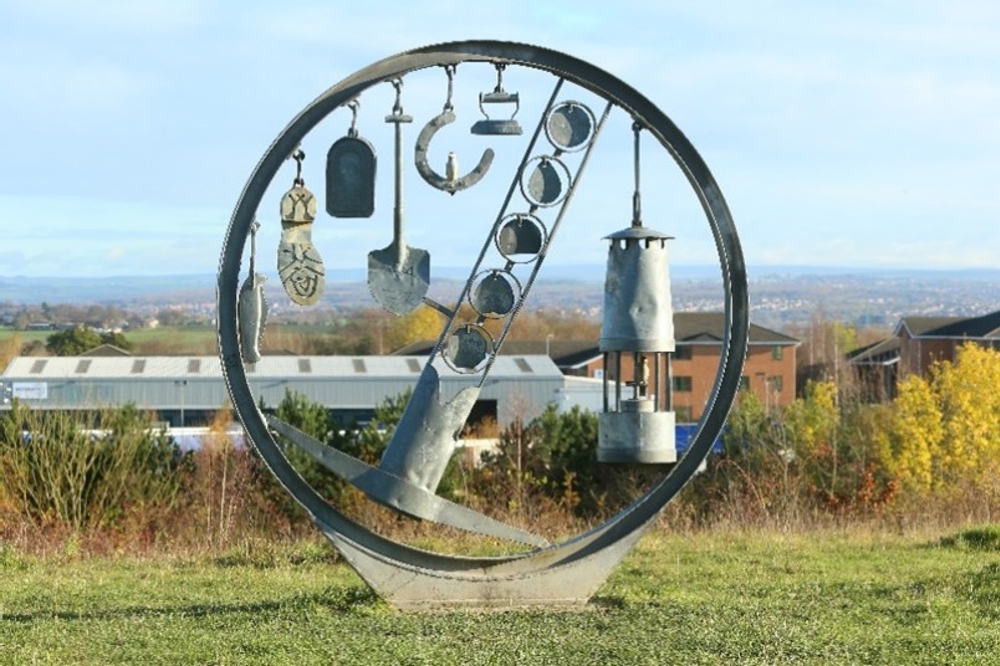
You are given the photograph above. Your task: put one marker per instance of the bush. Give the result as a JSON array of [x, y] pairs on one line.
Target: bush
[[87, 471]]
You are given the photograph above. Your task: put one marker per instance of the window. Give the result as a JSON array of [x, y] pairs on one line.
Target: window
[[682, 414], [744, 383], [682, 383], [776, 383], [777, 352], [682, 353]]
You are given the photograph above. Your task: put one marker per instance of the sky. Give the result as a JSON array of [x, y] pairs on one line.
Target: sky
[[860, 134]]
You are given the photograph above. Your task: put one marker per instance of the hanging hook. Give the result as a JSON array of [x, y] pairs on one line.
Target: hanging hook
[[354, 105], [298, 156], [397, 108], [500, 67], [451, 182], [450, 71]]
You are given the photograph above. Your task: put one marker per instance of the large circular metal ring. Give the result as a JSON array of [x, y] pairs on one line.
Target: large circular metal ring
[[559, 566]]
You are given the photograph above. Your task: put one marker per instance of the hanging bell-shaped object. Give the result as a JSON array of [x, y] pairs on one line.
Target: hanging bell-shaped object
[[494, 126]]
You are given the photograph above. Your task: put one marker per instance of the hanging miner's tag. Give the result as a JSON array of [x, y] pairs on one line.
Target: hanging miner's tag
[[350, 178], [299, 265], [350, 174]]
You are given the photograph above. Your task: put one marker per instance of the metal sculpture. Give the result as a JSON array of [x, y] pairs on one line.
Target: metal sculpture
[[637, 323]]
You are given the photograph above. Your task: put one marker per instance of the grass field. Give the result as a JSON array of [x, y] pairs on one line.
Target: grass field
[[160, 340], [821, 598]]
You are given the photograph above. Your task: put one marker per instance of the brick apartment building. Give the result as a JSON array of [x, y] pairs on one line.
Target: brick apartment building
[[915, 345]]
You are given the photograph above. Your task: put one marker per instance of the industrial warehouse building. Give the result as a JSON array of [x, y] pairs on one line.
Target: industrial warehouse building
[[187, 391]]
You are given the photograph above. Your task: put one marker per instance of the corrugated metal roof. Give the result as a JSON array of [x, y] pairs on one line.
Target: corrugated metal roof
[[187, 367], [520, 385]]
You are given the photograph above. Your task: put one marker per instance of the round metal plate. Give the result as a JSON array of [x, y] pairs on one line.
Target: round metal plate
[[495, 293], [570, 126], [521, 237], [547, 184], [468, 348]]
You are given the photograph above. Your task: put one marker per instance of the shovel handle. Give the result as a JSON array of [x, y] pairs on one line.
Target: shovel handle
[[397, 210]]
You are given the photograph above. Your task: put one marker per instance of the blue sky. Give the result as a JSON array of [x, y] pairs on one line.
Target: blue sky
[[852, 133]]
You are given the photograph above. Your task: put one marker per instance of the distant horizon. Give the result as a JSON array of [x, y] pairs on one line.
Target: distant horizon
[[558, 271]]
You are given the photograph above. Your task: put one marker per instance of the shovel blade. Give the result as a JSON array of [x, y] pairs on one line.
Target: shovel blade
[[399, 279]]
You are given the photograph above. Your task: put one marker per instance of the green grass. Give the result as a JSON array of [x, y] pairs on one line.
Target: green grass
[[816, 598], [194, 337], [187, 337], [23, 336]]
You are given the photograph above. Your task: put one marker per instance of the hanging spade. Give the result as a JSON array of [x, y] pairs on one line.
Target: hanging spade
[[494, 126], [451, 182], [399, 275], [350, 173], [252, 307], [299, 265]]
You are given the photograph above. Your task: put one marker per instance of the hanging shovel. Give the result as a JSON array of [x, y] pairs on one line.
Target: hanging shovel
[[399, 275]]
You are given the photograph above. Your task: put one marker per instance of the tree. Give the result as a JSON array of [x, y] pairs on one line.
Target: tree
[[76, 341], [424, 323], [314, 420], [917, 435], [72, 342], [117, 339]]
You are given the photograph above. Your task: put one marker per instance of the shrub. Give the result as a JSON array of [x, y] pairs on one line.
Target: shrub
[[90, 470]]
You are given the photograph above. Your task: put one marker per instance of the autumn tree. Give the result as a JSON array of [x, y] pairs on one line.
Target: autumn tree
[[424, 323], [9, 348], [917, 435]]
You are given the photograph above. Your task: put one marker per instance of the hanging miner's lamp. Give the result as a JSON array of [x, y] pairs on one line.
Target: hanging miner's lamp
[[637, 337]]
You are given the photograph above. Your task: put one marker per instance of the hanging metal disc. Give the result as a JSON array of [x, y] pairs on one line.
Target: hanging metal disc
[[570, 126], [521, 238], [548, 183], [468, 348], [494, 294]]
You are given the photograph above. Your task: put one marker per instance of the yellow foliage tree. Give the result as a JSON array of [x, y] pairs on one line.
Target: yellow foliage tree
[[917, 435], [811, 424], [946, 431], [424, 323], [9, 348], [970, 407]]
